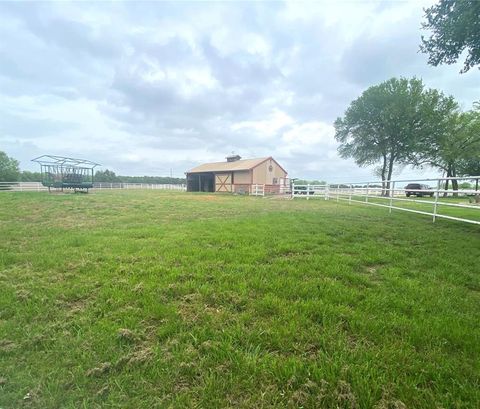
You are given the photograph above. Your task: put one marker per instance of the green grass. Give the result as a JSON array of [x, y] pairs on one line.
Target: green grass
[[143, 299], [426, 204]]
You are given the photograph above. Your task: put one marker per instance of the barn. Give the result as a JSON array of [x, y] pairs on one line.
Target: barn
[[237, 175]]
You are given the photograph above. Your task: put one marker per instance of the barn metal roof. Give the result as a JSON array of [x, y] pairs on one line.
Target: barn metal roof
[[243, 164], [65, 161]]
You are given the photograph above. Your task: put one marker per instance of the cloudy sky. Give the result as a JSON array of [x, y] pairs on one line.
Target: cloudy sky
[[143, 88]]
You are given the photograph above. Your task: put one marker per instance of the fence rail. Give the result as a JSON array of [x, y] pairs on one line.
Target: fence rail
[[38, 187], [444, 203], [115, 185], [257, 190], [22, 187]]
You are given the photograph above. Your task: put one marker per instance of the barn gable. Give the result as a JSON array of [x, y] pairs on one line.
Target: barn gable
[[236, 175]]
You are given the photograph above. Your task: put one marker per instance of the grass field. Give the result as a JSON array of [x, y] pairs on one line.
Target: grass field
[[426, 204], [144, 299]]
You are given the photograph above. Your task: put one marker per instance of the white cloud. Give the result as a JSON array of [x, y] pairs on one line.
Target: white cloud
[[309, 134], [147, 87], [265, 128]]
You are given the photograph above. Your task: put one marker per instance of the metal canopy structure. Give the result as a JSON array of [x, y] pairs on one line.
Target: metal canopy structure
[[60, 172]]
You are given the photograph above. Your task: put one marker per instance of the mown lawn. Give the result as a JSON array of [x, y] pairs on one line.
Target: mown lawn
[[144, 299]]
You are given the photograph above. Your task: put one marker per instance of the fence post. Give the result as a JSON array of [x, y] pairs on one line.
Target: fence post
[[436, 201], [293, 190], [392, 192], [350, 195], [366, 197], [308, 191], [338, 190], [327, 191]]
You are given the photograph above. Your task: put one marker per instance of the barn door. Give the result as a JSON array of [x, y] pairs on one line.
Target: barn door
[[223, 182]]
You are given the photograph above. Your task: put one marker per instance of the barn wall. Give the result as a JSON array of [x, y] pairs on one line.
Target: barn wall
[[242, 177], [243, 188], [263, 176]]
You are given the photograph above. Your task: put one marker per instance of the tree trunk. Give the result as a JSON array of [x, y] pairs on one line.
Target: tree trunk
[[445, 194], [477, 195], [384, 169], [454, 182], [389, 175]]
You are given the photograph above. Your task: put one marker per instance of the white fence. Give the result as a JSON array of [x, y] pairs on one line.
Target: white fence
[[22, 187], [107, 185], [38, 187], [257, 190], [395, 193]]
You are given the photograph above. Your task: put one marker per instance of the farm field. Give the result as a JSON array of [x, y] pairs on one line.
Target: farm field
[[151, 299], [426, 204]]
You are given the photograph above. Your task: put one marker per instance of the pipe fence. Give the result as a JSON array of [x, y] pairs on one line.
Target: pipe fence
[[116, 185], [460, 204], [38, 187]]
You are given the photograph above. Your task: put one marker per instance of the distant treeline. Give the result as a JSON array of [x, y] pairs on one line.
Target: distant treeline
[[309, 182], [110, 176], [103, 176], [27, 176]]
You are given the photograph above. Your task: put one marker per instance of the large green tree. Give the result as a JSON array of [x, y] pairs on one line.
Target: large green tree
[[27, 176], [470, 167], [9, 170], [455, 26], [385, 124], [456, 150], [106, 176]]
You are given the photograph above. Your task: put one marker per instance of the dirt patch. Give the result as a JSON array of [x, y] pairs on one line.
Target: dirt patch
[[189, 307], [102, 369], [389, 402], [193, 307], [75, 307], [345, 395], [23, 295], [143, 354], [308, 393], [127, 335], [7, 346]]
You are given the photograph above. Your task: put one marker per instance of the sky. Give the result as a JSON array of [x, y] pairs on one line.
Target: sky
[[150, 88]]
